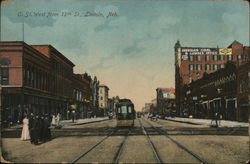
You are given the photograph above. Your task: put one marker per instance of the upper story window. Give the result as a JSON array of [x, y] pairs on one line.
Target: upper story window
[[215, 57], [207, 57], [215, 67], [191, 58], [222, 57], [229, 57], [190, 79], [198, 58], [207, 67], [239, 57], [5, 76], [198, 67], [191, 67]]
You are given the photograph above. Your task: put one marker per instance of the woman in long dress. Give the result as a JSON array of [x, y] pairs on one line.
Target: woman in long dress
[[53, 123], [25, 132]]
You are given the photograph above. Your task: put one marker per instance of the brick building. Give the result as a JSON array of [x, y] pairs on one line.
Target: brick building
[[103, 99], [165, 98], [243, 88], [214, 93], [35, 79], [82, 95], [192, 62]]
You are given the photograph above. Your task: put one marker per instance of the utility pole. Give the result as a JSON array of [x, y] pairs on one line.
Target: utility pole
[[0, 20]]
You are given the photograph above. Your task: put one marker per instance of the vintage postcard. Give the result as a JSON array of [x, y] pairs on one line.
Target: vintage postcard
[[124, 81]]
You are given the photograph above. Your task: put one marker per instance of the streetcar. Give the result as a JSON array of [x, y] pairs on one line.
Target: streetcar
[[125, 113]]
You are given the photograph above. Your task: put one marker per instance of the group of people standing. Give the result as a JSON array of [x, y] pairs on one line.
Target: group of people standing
[[36, 128]]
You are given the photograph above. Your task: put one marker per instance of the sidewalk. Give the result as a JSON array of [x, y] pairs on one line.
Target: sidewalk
[[82, 121], [222, 123], [69, 122]]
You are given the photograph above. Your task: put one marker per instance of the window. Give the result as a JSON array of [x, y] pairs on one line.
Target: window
[[191, 58], [124, 109], [190, 79], [207, 67], [101, 98], [215, 57], [129, 109], [198, 67], [191, 67], [239, 57], [4, 76], [207, 58], [222, 66], [215, 67], [198, 58], [229, 57], [222, 57]]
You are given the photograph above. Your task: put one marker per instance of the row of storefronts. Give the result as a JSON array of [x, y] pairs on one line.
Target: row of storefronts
[[202, 92], [39, 79], [217, 93]]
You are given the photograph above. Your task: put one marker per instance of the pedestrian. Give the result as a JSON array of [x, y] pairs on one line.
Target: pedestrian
[[73, 116], [68, 115], [25, 132], [41, 128], [220, 118], [36, 126], [31, 128], [53, 123], [58, 118], [46, 130], [215, 118]]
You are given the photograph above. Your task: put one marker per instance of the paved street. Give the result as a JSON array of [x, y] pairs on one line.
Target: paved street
[[136, 148]]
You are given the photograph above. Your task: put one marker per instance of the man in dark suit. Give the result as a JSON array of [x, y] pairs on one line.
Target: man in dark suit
[[41, 128], [36, 124], [31, 128], [46, 130]]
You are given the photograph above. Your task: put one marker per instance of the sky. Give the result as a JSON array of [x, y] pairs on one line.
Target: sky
[[131, 51]]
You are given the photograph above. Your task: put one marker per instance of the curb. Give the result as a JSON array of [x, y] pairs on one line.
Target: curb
[[86, 122], [193, 123]]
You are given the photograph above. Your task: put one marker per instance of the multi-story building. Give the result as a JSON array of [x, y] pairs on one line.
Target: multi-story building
[[103, 99], [243, 88], [112, 104], [95, 96], [39, 79], [34, 79], [164, 97], [82, 94], [192, 62], [214, 93]]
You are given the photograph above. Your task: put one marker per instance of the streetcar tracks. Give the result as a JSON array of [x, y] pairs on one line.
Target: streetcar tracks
[[119, 152], [121, 148], [164, 133], [123, 143], [92, 147], [155, 152]]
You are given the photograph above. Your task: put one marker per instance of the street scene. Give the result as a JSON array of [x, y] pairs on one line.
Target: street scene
[[124, 82]]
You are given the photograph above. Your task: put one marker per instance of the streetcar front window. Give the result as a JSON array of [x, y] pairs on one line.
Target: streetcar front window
[[124, 109], [129, 109]]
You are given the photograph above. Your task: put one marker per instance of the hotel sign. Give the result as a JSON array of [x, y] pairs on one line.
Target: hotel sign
[[199, 51]]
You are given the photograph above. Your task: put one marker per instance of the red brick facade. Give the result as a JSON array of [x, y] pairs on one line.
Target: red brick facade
[[192, 62], [37, 79]]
